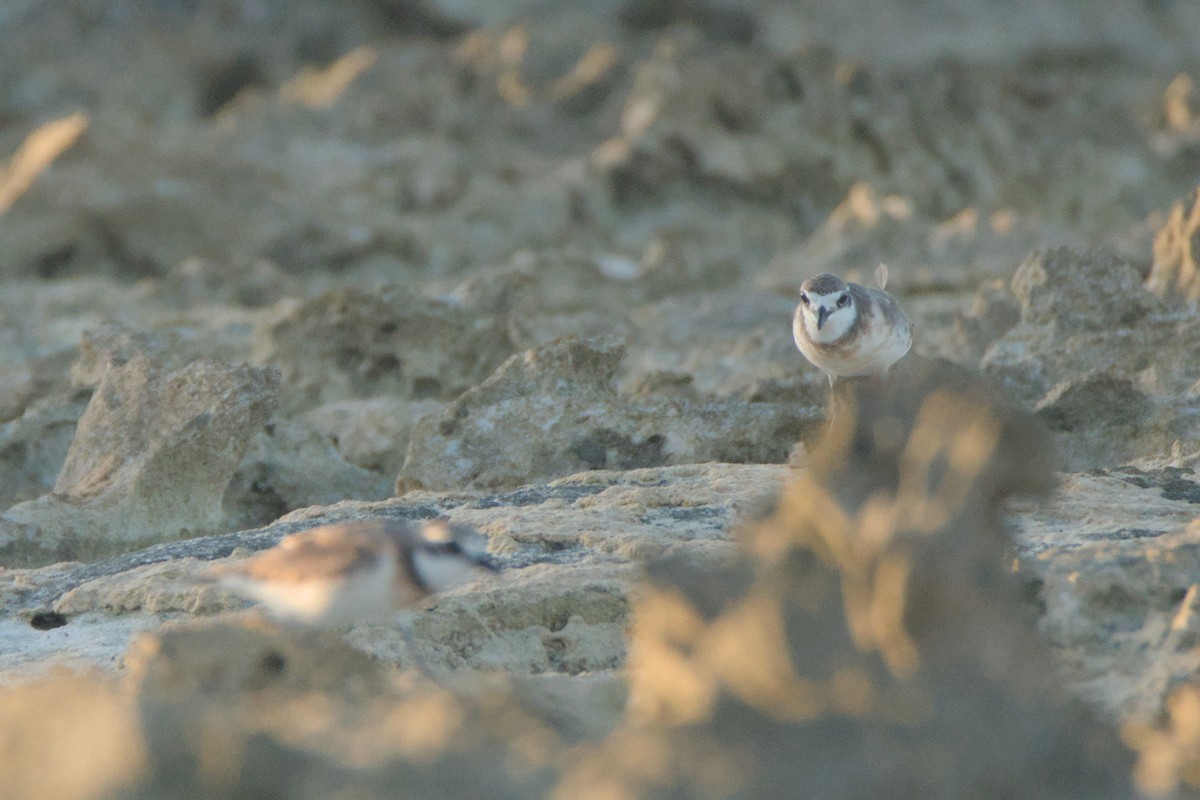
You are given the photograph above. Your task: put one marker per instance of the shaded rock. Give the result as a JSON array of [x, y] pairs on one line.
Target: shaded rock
[[1175, 272], [715, 20], [228, 661], [372, 434], [727, 341], [927, 253], [348, 344], [150, 460], [1071, 292], [34, 446], [1100, 412], [1090, 341], [994, 311], [288, 465], [324, 714], [559, 415]]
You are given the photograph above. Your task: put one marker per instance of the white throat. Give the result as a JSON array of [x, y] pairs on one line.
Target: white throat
[[440, 572], [836, 324]]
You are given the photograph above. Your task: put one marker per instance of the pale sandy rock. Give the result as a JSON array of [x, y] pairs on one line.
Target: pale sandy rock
[[289, 465], [150, 460], [559, 414], [572, 551], [167, 587], [115, 342]]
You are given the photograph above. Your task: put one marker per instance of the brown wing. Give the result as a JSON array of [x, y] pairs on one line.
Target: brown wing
[[329, 551]]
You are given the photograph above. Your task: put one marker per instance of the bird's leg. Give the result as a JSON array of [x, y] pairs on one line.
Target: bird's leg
[[832, 398]]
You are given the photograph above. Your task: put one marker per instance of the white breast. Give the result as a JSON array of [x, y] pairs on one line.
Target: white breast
[[873, 353], [364, 595]]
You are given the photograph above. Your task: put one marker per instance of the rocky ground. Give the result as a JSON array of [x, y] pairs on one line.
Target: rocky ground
[[531, 265]]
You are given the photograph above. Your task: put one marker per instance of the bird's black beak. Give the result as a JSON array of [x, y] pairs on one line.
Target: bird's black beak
[[822, 315], [487, 562]]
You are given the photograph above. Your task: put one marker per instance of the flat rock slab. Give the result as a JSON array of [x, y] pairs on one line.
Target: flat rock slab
[[1116, 555], [571, 549]]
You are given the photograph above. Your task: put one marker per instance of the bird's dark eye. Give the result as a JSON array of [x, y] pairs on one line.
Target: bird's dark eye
[[843, 301], [803, 299]]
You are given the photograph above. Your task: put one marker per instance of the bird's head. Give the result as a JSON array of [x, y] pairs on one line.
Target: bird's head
[[827, 306]]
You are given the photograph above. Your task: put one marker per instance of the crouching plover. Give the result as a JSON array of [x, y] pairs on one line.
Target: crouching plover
[[348, 572], [848, 330]]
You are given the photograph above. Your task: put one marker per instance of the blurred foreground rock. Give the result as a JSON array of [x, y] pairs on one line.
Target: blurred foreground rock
[[1176, 269], [872, 642]]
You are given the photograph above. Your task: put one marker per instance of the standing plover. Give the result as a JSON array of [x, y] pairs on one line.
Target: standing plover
[[348, 572], [848, 330]]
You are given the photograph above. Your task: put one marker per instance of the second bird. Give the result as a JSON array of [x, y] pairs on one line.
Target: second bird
[[848, 330]]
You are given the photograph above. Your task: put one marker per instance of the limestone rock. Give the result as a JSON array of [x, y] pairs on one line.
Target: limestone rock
[[1071, 292], [349, 344], [1094, 350], [166, 587], [572, 551], [559, 414], [728, 341], [994, 311], [150, 460], [1098, 411], [1113, 560], [92, 718]]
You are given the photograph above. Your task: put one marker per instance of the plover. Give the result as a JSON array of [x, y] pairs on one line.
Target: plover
[[347, 572], [848, 330]]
